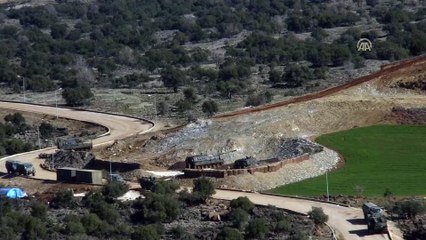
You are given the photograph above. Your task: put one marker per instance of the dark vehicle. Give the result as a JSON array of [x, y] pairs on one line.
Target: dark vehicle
[[245, 162], [374, 216], [147, 183], [12, 166], [203, 161], [73, 144], [26, 169], [116, 178]]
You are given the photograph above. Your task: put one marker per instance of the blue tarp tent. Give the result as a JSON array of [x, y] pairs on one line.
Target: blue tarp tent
[[12, 193]]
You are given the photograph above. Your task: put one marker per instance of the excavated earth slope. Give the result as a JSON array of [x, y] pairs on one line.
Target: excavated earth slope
[[366, 101]]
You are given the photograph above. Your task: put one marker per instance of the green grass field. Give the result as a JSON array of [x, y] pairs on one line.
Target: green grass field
[[377, 158]]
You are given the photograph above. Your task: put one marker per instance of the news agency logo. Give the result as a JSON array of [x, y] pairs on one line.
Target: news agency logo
[[364, 45]]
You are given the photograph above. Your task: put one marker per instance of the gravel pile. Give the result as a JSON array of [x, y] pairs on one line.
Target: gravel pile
[[317, 165], [293, 147], [74, 159]]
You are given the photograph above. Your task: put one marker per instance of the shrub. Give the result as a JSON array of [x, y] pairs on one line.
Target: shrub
[[165, 187], [63, 198], [318, 216], [283, 226], [73, 225], [34, 229], [242, 202], [92, 199], [204, 187], [39, 210], [410, 208], [115, 189], [106, 212], [77, 96], [95, 226], [210, 107], [148, 232], [160, 208], [190, 95], [46, 130], [228, 233], [238, 217], [191, 199], [257, 228]]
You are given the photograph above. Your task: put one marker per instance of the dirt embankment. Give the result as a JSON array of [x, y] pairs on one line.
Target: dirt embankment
[[366, 101]]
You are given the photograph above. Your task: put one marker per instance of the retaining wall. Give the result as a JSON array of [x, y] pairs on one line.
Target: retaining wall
[[221, 173]]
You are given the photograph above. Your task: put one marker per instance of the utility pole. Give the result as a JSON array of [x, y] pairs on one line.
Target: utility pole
[[326, 180], [53, 161], [38, 137], [23, 86], [155, 106], [56, 101]]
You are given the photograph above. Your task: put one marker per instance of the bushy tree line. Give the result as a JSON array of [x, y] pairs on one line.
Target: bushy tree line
[[14, 124], [108, 36]]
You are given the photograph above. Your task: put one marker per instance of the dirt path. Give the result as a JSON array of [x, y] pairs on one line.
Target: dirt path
[[348, 222], [119, 127], [386, 70]]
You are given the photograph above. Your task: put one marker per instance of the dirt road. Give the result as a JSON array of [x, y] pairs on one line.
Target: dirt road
[[119, 127], [347, 222]]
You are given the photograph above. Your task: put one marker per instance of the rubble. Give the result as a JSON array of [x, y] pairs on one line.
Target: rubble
[[293, 147]]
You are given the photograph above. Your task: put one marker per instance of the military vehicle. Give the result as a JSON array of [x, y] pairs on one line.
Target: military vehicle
[[245, 162], [147, 183], [73, 144], [12, 166], [26, 169], [114, 177], [375, 218], [203, 161]]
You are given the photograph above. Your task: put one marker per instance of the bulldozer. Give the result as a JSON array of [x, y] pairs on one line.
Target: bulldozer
[[375, 218]]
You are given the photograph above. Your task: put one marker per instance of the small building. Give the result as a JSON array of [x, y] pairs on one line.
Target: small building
[[65, 174], [88, 176], [203, 161]]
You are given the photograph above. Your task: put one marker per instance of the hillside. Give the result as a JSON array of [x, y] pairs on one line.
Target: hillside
[[235, 53]]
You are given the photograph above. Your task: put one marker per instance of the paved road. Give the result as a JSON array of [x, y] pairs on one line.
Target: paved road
[[348, 222], [119, 127]]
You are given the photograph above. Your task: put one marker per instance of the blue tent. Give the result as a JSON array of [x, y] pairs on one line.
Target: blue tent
[[12, 193]]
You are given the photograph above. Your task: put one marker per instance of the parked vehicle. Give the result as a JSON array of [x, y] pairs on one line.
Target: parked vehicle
[[203, 161], [26, 169], [375, 218], [12, 166], [114, 177], [245, 162]]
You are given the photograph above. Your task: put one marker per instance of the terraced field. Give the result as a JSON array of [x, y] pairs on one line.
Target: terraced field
[[377, 158]]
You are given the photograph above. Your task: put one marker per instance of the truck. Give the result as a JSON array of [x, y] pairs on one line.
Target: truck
[[12, 166], [73, 144], [375, 218], [26, 169]]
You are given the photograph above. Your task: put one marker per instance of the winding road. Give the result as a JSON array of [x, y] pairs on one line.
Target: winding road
[[119, 127]]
